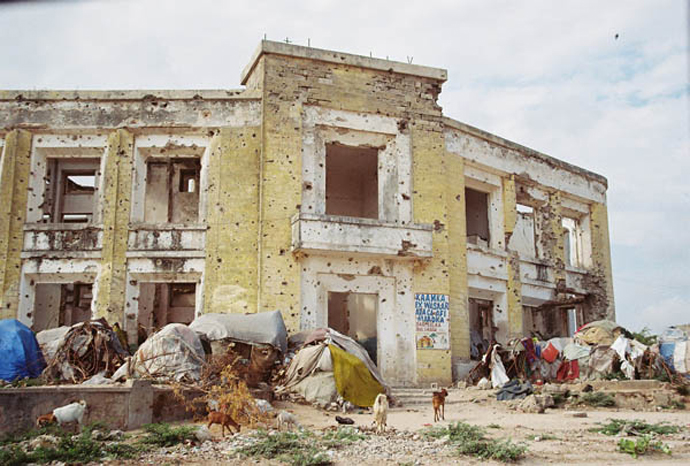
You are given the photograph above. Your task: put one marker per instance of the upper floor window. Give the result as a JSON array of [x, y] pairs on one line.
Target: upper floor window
[[71, 190], [352, 181], [477, 212], [572, 240], [172, 194]]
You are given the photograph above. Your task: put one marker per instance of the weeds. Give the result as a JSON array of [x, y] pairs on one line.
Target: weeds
[[494, 426], [165, 435], [645, 337], [471, 440], [642, 446], [342, 437], [598, 399], [296, 449], [635, 427], [541, 437]]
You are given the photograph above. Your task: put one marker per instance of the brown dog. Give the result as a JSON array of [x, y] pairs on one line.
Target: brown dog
[[216, 417], [45, 419], [439, 402]]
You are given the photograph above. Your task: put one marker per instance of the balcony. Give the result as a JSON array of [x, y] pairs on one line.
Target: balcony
[[62, 238], [330, 233]]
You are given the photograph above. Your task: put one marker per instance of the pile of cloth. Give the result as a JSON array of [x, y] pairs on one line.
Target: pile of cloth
[[83, 350], [597, 350], [330, 364]]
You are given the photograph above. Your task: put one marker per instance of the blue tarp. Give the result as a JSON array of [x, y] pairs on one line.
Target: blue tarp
[[21, 355]]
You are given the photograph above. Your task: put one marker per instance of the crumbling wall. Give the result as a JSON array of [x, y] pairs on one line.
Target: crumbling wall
[[14, 179]]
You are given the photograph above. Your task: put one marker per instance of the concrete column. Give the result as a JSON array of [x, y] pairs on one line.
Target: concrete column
[[231, 270], [601, 258], [429, 172], [14, 179], [514, 285], [115, 202]]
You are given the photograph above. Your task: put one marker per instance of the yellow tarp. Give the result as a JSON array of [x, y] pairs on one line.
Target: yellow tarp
[[353, 379]]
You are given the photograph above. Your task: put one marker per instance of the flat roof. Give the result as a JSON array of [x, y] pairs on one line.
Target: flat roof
[[331, 56], [140, 94]]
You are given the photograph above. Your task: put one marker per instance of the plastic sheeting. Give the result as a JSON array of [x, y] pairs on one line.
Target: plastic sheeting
[[354, 381], [319, 388], [573, 352], [49, 340], [498, 371], [174, 353], [260, 328], [21, 355], [599, 332]]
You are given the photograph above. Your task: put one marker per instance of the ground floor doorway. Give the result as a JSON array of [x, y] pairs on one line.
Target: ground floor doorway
[[355, 315]]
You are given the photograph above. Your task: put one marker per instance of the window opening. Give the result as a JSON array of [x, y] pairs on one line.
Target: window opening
[[477, 212], [572, 239], [165, 303], [523, 239], [71, 187], [172, 190], [58, 304], [352, 181]]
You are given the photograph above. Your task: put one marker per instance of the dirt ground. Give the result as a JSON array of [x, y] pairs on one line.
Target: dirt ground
[[554, 437]]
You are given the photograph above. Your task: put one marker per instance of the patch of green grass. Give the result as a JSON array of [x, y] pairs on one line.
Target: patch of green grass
[[598, 399], [645, 337], [534, 437], [165, 435], [642, 446], [635, 427], [472, 441], [675, 404], [296, 449], [494, 426], [22, 435], [342, 437]]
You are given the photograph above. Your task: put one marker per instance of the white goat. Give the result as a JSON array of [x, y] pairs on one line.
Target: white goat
[[287, 420], [73, 412], [381, 412]]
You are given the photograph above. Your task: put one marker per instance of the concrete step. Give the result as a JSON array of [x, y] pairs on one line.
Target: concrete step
[[418, 396]]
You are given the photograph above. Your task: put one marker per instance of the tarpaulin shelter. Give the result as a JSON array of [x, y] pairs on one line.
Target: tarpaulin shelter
[[21, 355], [259, 328], [174, 353], [599, 332], [326, 351], [674, 348]]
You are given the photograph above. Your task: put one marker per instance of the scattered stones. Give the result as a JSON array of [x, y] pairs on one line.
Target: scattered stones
[[578, 414], [43, 441]]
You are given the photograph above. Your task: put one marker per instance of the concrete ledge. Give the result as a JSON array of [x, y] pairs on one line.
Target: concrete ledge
[[329, 56], [123, 407], [142, 94]]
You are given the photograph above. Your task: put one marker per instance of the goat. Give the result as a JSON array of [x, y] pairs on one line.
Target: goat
[[381, 412], [73, 412], [225, 420], [438, 400], [287, 420]]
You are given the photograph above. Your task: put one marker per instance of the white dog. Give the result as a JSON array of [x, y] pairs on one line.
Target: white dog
[[381, 412]]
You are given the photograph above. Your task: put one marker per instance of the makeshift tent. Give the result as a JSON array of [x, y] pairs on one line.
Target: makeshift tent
[[49, 340], [674, 348], [259, 328], [175, 352], [599, 332], [21, 355], [327, 352]]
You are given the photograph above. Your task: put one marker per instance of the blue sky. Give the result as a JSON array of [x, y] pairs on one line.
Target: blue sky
[[549, 75]]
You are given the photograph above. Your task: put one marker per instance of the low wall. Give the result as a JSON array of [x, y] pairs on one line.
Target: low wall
[[123, 407]]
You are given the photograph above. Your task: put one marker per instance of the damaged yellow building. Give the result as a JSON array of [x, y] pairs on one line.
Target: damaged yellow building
[[331, 188]]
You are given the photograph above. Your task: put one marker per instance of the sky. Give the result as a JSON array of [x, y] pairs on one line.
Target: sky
[[602, 85]]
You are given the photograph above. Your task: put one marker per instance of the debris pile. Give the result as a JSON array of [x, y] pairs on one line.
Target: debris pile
[[86, 349]]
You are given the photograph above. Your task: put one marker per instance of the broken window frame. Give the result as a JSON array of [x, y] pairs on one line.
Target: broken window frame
[[160, 147], [56, 189]]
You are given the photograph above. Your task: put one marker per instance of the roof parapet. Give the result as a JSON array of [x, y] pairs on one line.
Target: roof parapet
[[330, 56]]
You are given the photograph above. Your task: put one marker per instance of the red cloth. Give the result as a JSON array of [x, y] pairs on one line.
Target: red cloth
[[568, 370], [550, 353]]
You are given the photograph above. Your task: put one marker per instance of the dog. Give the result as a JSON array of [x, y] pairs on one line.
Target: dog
[[45, 419], [438, 400], [287, 420], [225, 420], [73, 412], [381, 412]]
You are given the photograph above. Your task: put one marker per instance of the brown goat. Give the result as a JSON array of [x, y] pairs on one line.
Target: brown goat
[[225, 420], [439, 402]]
